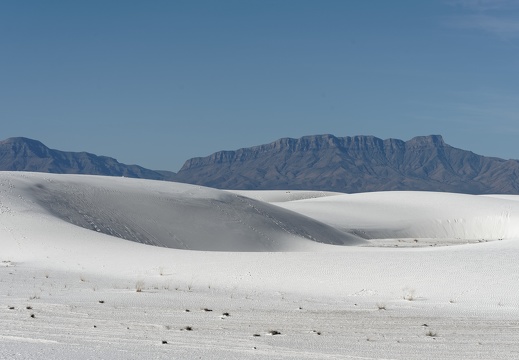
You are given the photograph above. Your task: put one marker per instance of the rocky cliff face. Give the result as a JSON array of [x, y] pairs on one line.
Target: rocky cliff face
[[354, 164], [22, 154]]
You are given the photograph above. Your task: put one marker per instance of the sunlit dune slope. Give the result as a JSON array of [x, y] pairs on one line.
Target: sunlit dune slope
[[398, 214]]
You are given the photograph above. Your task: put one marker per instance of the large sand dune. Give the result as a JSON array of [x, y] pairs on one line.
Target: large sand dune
[[72, 285], [172, 215], [416, 215]]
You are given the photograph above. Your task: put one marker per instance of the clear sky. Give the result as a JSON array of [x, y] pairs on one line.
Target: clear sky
[[157, 82]]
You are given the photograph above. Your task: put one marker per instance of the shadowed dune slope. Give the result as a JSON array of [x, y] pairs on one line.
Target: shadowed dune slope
[[175, 215]]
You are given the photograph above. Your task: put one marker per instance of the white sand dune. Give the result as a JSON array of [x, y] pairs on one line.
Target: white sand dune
[[416, 215], [173, 215], [61, 264], [506, 197], [276, 196]]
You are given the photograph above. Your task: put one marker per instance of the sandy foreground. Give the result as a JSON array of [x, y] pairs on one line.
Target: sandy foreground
[[115, 268]]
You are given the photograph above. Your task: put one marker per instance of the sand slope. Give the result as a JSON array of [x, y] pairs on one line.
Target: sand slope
[[416, 215], [170, 214], [328, 302]]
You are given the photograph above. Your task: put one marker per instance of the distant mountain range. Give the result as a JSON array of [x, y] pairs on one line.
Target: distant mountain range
[[22, 154], [320, 162]]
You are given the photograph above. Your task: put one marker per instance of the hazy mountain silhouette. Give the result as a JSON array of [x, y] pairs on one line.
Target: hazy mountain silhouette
[[320, 162], [22, 154], [354, 164]]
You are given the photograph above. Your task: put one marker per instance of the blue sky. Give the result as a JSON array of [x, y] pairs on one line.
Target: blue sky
[[157, 82]]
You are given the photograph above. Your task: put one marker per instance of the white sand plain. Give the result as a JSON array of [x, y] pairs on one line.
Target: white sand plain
[[115, 268]]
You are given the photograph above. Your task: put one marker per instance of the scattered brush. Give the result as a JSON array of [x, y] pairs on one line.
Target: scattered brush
[[139, 285], [431, 333], [409, 294]]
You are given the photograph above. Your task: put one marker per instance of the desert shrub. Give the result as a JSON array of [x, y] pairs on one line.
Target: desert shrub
[[431, 333], [139, 285]]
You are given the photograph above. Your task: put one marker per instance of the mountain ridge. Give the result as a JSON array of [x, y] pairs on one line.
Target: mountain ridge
[[315, 162], [24, 154], [354, 164]]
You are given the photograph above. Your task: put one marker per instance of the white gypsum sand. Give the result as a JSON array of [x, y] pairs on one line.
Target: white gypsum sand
[[71, 288]]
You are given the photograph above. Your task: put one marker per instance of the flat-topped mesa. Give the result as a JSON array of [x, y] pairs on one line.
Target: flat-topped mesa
[[354, 164], [314, 143], [310, 143], [425, 141]]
